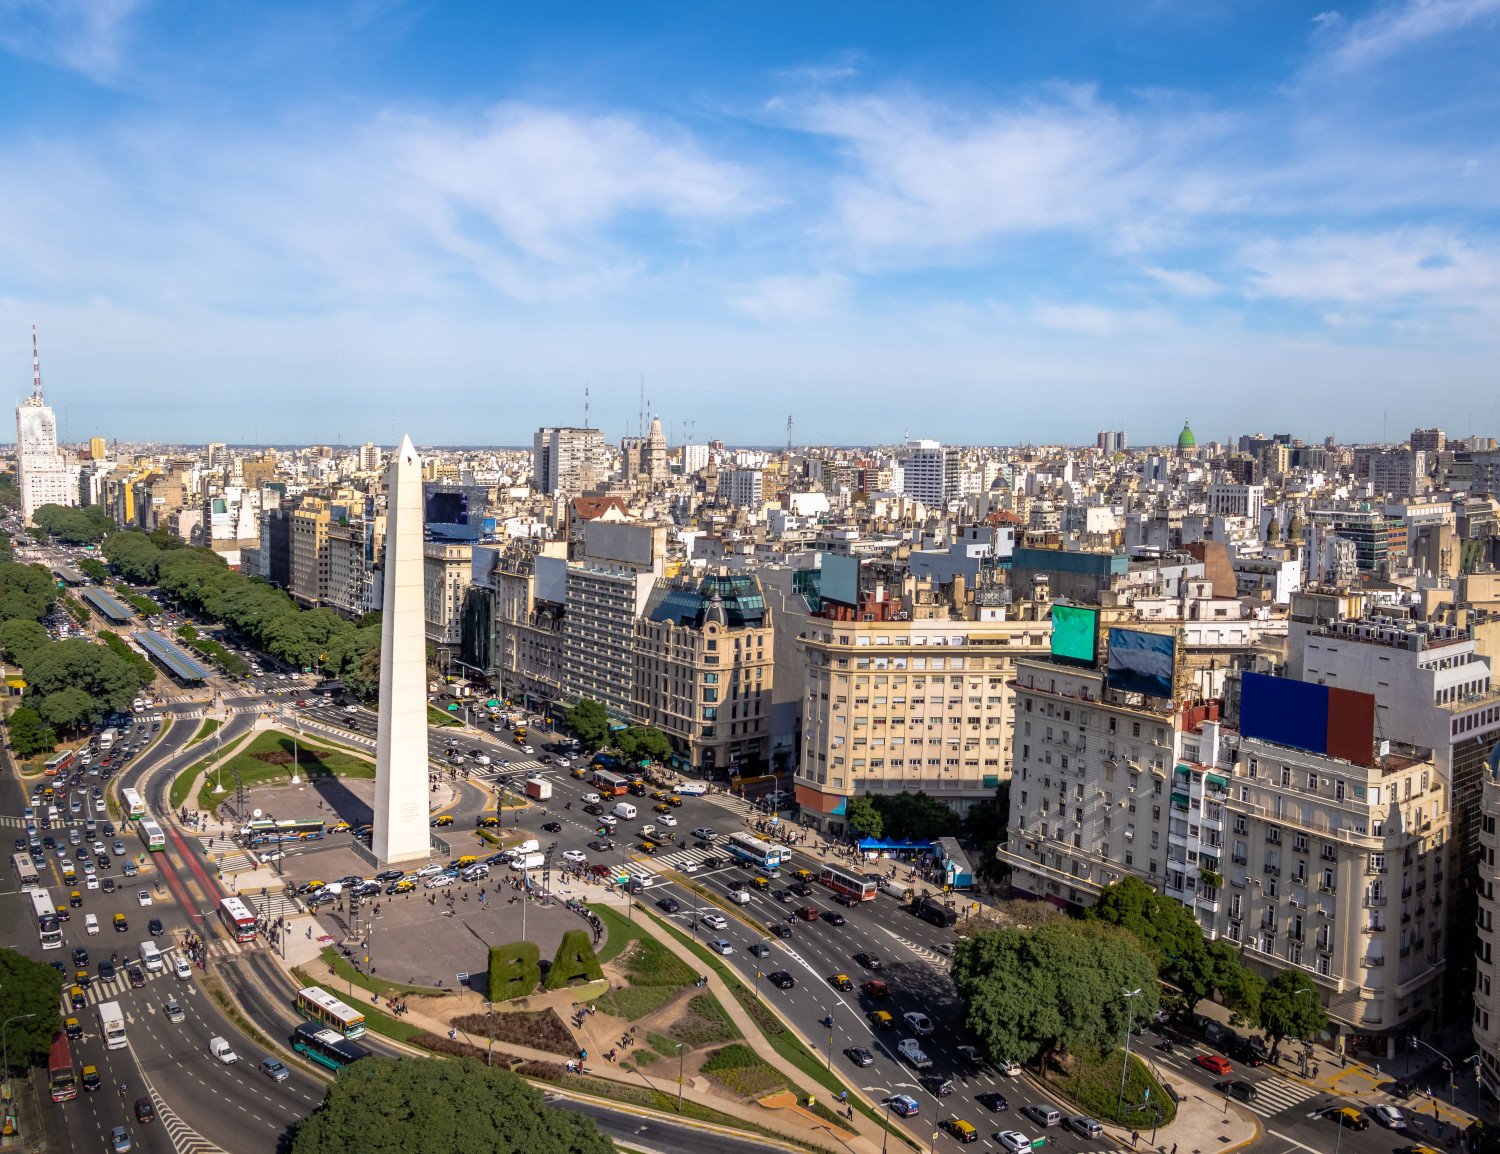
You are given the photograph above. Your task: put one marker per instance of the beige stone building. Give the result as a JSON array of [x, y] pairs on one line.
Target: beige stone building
[[308, 530], [704, 667]]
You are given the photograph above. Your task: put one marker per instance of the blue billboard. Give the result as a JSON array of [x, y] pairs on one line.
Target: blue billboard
[[1141, 662]]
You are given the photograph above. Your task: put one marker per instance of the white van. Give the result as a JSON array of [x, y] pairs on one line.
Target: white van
[[151, 958], [624, 810], [691, 789], [529, 861], [530, 845], [91, 924]]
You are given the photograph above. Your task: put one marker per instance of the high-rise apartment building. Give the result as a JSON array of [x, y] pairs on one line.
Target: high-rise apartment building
[[1111, 441], [1431, 441], [931, 473], [445, 577], [43, 475], [308, 539], [370, 457], [566, 461], [743, 488]]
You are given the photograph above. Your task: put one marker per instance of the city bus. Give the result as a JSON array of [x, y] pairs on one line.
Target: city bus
[[610, 784], [323, 1008], [112, 1025], [133, 804], [26, 869], [326, 1047], [263, 831], [237, 919], [852, 884], [749, 848], [151, 835], [59, 762], [61, 1079], [44, 913]]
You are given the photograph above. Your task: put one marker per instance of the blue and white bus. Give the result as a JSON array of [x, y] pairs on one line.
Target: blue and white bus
[[761, 854]]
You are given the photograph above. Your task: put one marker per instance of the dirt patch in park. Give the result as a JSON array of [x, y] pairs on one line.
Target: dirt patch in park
[[539, 1029], [274, 757]]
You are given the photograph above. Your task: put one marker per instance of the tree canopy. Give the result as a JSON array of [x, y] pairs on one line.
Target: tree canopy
[[1291, 1007], [79, 664], [588, 722], [26, 592], [1059, 986], [86, 525], [29, 734], [639, 741], [21, 637], [863, 818], [917, 816], [28, 987], [401, 1106]]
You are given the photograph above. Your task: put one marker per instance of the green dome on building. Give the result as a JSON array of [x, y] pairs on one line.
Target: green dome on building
[[1185, 439]]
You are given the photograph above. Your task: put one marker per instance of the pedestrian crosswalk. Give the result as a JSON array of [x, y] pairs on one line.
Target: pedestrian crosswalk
[[1274, 1095], [107, 989]]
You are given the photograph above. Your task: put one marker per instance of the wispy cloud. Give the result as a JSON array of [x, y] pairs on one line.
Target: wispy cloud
[[1423, 267], [89, 37], [1396, 27], [1184, 281], [794, 299]]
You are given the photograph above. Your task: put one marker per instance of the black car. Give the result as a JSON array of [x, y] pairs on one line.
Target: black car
[[104, 862], [781, 930], [1241, 1089], [860, 1056], [389, 876], [848, 900], [20, 844], [106, 970], [760, 950], [552, 827], [868, 961], [80, 957], [137, 977], [833, 917], [601, 845], [594, 808], [801, 889], [992, 1101], [712, 862], [107, 829], [782, 896], [938, 1085], [668, 905], [108, 885], [781, 980], [1249, 1052], [154, 928]]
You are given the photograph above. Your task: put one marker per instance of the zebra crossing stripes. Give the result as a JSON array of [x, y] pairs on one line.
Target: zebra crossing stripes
[[1274, 1095], [107, 989]]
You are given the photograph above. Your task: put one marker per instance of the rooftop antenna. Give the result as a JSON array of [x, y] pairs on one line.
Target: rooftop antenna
[[640, 426], [36, 368], [585, 406], [789, 434]]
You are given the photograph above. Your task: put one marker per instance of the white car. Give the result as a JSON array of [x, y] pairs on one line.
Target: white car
[[667, 819], [714, 921], [91, 882], [1388, 1116], [144, 897], [576, 855], [273, 855], [689, 867], [182, 968], [351, 709], [1010, 1069], [428, 870], [609, 821], [438, 882], [99, 806], [1013, 1142], [720, 946], [591, 799], [98, 848]]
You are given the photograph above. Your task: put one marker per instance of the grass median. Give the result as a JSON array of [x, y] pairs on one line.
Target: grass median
[[272, 757]]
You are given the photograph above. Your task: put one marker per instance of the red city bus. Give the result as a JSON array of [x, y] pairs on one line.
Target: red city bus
[[843, 882], [60, 1076], [611, 784], [237, 919]]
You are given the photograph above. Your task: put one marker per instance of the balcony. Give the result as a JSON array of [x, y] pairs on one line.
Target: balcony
[[1325, 888], [1329, 854], [1374, 901], [1374, 929], [1271, 870], [1239, 860], [1370, 961]]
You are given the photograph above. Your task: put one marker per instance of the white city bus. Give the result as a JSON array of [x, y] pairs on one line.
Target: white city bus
[[48, 928]]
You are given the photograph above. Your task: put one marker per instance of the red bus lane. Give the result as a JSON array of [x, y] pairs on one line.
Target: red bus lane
[[211, 892]]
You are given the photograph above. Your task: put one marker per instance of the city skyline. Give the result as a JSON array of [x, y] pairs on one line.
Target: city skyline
[[302, 226]]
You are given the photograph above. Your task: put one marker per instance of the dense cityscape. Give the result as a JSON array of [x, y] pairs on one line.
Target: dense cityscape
[[846, 579]]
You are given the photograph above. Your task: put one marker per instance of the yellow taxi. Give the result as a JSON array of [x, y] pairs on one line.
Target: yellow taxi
[[446, 819], [69, 878], [803, 875], [660, 795], [339, 827], [579, 772], [673, 800], [840, 982], [882, 1019], [75, 899], [121, 925], [91, 1079], [76, 998], [73, 1027], [403, 887], [661, 807], [960, 1129], [760, 883], [488, 821], [467, 860]]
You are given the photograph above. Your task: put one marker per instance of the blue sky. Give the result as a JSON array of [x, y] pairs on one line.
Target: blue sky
[[987, 223]]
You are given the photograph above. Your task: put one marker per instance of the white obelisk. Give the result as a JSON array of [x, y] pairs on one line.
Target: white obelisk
[[401, 829]]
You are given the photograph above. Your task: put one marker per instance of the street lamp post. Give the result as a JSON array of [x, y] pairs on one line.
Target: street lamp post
[[489, 1009], [679, 1077], [1130, 997], [886, 1138]]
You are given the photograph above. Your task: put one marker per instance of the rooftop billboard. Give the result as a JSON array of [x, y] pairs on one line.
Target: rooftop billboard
[[1075, 634], [1141, 662], [1303, 715]]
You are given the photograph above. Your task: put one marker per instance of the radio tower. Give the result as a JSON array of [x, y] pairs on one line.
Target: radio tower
[[585, 406], [36, 368], [789, 434]]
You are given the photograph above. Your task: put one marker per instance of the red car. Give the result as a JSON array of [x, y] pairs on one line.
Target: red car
[[1213, 1064]]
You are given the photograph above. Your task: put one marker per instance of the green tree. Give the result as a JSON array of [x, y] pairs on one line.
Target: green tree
[[69, 710], [1291, 1007], [29, 988], [397, 1106], [76, 526], [863, 818], [644, 741], [20, 638], [915, 816], [133, 557], [1240, 987], [29, 734], [1059, 986], [7, 550], [94, 569], [81, 664], [588, 722], [986, 826]]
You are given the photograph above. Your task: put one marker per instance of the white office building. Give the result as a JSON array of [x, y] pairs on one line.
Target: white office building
[[43, 475]]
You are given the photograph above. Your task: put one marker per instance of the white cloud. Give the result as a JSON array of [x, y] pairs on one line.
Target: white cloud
[[793, 299], [84, 36], [1091, 320], [1184, 282], [1421, 267], [1396, 28]]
